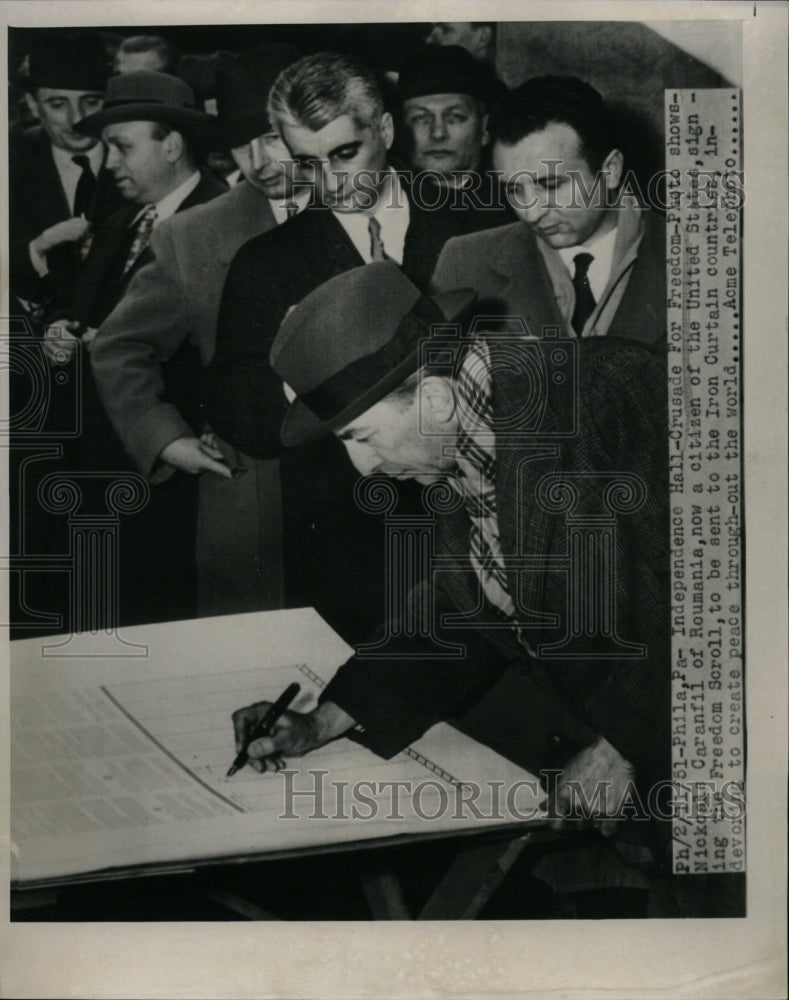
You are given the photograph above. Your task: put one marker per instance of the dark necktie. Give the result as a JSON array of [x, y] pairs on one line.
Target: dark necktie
[[584, 299], [142, 236], [377, 251], [86, 188]]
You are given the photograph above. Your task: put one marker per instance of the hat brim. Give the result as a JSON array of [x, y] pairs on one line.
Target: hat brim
[[301, 425], [236, 132], [183, 118], [95, 85]]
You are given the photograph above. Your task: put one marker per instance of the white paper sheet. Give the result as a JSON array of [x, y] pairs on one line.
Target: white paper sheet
[[112, 772]]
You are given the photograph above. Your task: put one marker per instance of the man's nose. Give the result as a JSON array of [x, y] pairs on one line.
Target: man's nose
[[334, 180], [438, 128], [111, 161], [363, 457], [74, 114], [260, 155], [529, 203]]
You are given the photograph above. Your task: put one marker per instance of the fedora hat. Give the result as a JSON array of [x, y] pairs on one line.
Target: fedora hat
[[352, 341], [149, 97], [242, 87], [448, 69], [66, 61]]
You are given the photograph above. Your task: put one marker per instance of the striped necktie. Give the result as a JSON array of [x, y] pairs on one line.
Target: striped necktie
[[142, 237], [475, 457]]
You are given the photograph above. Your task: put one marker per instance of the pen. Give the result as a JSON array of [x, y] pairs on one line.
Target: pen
[[263, 728]]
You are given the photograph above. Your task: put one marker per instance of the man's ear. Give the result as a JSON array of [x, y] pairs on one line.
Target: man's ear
[[173, 145], [387, 128], [484, 37], [437, 398], [612, 168], [32, 105]]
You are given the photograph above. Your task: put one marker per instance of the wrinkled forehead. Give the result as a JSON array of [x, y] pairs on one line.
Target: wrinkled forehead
[[43, 94], [379, 415], [437, 103]]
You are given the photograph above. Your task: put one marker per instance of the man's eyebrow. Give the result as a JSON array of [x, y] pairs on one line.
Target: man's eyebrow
[[350, 433], [354, 144]]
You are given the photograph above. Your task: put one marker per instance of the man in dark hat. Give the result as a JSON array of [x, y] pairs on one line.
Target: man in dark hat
[[148, 123], [58, 184], [533, 462], [445, 99], [331, 115], [173, 301]]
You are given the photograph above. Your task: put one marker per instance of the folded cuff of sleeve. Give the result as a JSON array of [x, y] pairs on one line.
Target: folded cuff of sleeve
[[152, 432]]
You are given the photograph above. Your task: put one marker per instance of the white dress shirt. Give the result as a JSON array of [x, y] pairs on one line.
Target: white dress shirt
[[70, 172], [392, 212], [602, 250], [171, 202]]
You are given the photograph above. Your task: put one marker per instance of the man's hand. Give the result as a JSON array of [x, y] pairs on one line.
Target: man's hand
[[295, 733], [61, 342], [591, 788], [190, 454], [69, 231], [88, 336]]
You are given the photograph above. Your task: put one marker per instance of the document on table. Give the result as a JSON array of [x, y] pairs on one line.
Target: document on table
[[127, 772]]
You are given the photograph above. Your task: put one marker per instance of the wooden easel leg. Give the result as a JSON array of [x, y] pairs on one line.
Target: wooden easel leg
[[384, 894], [243, 907], [472, 879]]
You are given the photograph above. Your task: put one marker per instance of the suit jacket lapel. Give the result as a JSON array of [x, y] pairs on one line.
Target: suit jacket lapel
[[525, 281], [51, 197], [252, 216], [335, 247]]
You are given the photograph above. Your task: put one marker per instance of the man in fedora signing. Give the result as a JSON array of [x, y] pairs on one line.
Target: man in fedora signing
[[148, 123], [59, 185], [532, 460], [173, 300]]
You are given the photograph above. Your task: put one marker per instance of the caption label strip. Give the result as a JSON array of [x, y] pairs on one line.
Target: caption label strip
[[704, 197]]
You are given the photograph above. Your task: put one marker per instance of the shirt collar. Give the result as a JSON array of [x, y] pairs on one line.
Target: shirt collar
[[171, 202], [64, 160], [602, 249]]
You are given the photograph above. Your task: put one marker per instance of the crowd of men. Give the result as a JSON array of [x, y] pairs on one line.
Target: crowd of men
[[250, 345]]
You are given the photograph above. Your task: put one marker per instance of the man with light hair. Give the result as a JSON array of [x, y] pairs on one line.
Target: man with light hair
[[330, 112], [477, 37], [149, 52]]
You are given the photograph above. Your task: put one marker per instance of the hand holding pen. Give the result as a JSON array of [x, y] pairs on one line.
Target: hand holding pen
[[256, 723]]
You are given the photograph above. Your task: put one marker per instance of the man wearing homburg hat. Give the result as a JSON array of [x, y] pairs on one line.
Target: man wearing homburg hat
[[445, 99], [59, 186], [174, 300], [149, 124], [513, 444], [444, 103]]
